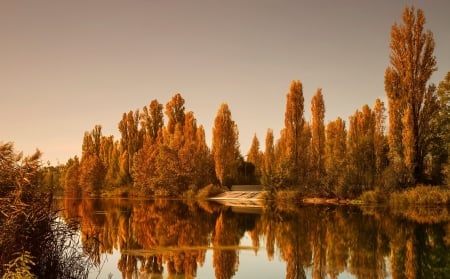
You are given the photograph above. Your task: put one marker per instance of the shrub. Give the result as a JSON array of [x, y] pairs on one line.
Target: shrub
[[421, 195], [33, 241], [373, 197], [210, 190]]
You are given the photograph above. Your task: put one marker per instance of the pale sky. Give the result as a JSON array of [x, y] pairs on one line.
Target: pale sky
[[66, 66]]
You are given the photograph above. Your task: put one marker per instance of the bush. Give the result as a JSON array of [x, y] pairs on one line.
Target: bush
[[421, 195], [209, 191], [33, 241], [373, 197]]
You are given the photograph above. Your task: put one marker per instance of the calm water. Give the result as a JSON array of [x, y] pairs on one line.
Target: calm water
[[173, 239]]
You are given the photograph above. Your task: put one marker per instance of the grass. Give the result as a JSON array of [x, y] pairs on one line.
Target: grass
[[373, 197], [34, 241], [209, 191], [421, 195]]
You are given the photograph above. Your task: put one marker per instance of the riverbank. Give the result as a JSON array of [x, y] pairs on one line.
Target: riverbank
[[418, 195]]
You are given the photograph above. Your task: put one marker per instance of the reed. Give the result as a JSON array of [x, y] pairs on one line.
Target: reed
[[421, 195]]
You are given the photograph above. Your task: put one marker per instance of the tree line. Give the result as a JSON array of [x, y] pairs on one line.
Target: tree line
[[162, 150]]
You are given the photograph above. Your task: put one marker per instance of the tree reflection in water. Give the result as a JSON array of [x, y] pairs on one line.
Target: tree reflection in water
[[167, 238]]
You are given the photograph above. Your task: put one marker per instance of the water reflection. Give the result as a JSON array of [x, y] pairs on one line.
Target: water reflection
[[172, 239]]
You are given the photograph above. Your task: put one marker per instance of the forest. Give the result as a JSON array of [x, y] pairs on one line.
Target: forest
[[384, 147]]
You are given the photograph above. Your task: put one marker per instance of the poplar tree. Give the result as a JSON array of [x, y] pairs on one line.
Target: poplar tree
[[295, 136], [443, 122], [152, 120], [411, 65], [268, 160], [72, 178], [92, 170], [335, 155], [225, 146], [318, 136], [130, 142], [380, 141], [254, 156], [175, 112], [360, 152]]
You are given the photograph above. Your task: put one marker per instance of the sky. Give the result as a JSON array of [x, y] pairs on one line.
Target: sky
[[66, 66]]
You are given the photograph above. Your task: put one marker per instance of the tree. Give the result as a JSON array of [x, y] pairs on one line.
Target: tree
[[293, 137], [72, 177], [318, 136], [225, 146], [360, 152], [268, 160], [152, 119], [175, 112], [92, 170], [442, 148], [380, 142], [130, 142], [335, 154], [109, 155], [412, 64], [254, 156]]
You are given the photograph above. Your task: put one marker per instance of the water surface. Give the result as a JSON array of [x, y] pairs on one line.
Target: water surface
[[174, 239]]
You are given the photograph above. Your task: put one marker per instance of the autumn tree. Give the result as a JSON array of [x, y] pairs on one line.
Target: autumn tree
[[335, 156], [110, 156], [409, 97], [442, 147], [92, 169], [175, 112], [194, 156], [152, 120], [72, 177], [294, 138], [360, 152], [380, 140], [318, 137], [130, 142], [225, 146], [255, 157], [172, 160], [268, 160]]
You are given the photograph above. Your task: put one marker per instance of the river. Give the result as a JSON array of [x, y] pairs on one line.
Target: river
[[175, 239]]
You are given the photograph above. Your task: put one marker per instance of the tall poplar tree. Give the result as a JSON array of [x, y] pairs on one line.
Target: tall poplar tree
[[225, 146], [175, 112], [412, 63], [130, 142], [294, 141], [441, 150], [318, 136], [254, 156], [152, 120], [268, 160], [335, 155], [380, 140], [92, 170], [360, 152]]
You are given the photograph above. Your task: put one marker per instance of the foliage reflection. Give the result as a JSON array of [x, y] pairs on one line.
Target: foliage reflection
[[167, 238]]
